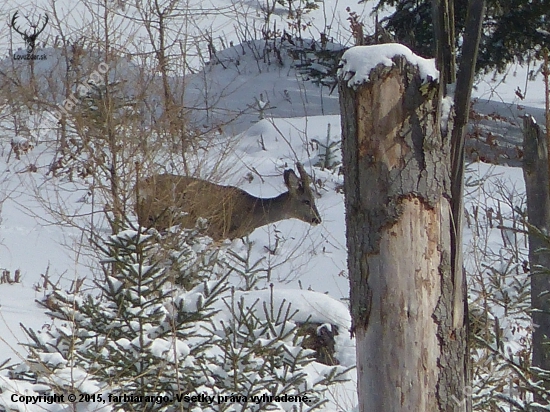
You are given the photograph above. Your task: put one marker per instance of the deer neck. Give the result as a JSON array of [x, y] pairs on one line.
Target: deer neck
[[272, 210]]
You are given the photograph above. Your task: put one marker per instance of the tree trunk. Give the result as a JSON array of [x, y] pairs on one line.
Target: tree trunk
[[464, 82], [411, 356], [535, 172]]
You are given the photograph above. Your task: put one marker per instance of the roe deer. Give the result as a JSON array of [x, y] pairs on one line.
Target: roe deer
[[166, 200]]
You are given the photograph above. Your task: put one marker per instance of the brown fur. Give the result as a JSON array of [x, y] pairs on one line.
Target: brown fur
[[167, 200]]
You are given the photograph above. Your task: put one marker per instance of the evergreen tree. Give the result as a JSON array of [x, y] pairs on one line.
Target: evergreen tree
[[140, 335], [513, 30], [144, 335], [263, 357]]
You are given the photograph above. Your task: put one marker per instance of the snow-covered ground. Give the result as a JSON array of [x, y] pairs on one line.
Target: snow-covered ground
[[306, 257]]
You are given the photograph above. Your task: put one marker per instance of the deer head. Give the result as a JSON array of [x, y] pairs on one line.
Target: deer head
[[30, 39], [301, 199]]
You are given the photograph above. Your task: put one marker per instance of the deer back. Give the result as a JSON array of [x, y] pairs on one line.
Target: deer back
[[166, 200]]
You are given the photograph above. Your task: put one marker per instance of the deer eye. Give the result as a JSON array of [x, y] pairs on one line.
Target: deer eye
[[307, 202]]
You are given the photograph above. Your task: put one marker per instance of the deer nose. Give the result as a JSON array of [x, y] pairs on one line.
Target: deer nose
[[316, 220]]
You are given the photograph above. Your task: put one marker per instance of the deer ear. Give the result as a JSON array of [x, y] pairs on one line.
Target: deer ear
[[291, 180]]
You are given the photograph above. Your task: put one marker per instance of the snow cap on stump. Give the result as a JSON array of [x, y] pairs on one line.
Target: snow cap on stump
[[357, 62]]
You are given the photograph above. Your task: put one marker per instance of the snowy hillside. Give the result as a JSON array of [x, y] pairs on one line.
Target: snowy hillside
[[261, 117], [46, 214]]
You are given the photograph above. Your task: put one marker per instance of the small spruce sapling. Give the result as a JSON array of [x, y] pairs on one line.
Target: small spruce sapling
[[328, 152]]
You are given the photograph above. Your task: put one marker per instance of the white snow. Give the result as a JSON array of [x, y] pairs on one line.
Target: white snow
[[357, 62], [312, 307], [299, 257], [164, 349], [446, 106]]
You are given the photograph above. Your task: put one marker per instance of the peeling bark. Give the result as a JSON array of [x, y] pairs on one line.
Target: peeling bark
[[410, 357]]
